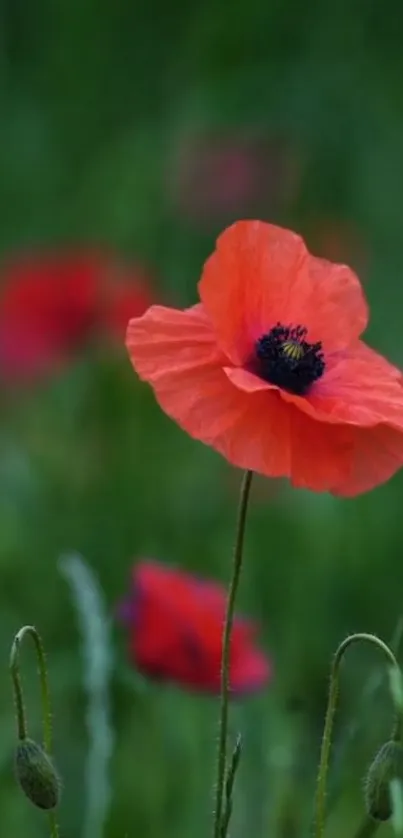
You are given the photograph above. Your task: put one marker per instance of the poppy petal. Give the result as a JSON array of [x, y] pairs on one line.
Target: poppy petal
[[193, 389], [261, 274], [247, 381], [165, 342], [377, 456], [359, 387], [199, 363], [253, 430]]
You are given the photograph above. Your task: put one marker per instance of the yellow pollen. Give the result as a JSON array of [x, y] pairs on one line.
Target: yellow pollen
[[293, 350]]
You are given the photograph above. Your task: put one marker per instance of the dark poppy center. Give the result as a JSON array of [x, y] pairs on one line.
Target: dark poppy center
[[283, 357]]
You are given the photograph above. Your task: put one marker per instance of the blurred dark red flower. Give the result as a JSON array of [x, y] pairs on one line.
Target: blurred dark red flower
[[51, 304], [175, 623]]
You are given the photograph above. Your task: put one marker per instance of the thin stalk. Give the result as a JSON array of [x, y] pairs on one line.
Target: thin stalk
[[22, 727], [229, 786], [226, 648], [329, 719]]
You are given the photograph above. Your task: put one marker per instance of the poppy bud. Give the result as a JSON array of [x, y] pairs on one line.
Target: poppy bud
[[36, 775], [387, 766]]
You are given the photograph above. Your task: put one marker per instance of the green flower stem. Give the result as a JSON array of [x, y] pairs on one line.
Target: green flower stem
[[226, 647], [22, 727], [229, 786], [54, 826], [329, 719], [43, 678]]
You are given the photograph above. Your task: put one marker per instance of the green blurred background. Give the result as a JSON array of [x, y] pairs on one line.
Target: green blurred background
[[148, 127]]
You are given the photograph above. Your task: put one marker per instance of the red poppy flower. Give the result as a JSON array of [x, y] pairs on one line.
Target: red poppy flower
[[51, 304], [175, 622], [269, 368]]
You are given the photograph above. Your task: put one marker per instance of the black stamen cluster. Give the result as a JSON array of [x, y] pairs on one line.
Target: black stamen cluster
[[277, 363]]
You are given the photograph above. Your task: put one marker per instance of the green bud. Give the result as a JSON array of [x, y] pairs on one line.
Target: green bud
[[387, 766], [36, 775]]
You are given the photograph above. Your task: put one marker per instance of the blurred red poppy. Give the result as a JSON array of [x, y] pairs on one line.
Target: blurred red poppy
[[175, 623], [51, 304], [269, 368]]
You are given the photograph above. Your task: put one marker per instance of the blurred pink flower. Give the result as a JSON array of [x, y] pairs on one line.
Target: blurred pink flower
[[215, 176], [53, 303]]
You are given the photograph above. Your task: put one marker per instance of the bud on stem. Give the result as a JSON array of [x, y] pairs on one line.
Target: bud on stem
[[386, 766], [35, 772], [330, 713], [36, 775]]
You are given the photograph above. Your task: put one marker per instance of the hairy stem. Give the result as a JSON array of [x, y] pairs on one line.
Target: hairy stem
[[229, 786], [329, 719], [43, 679], [22, 727], [226, 648]]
